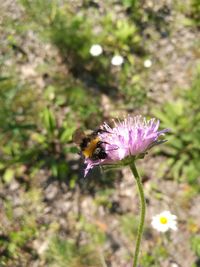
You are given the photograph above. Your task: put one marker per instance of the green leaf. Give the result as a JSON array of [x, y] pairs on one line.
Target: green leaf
[[8, 175], [166, 121], [49, 120], [66, 135]]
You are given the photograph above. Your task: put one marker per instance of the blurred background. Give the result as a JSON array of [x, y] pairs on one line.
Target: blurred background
[[54, 80]]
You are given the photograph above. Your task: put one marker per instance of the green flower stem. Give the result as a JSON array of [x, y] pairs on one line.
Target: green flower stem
[[142, 212]]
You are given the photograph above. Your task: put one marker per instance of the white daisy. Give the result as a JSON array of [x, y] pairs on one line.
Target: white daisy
[[96, 50], [164, 221], [117, 60], [147, 63]]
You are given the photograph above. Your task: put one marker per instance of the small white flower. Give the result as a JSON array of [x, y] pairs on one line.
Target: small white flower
[[174, 264], [147, 63], [117, 60], [96, 50], [164, 221]]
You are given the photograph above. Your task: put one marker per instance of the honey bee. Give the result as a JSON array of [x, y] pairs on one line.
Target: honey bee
[[90, 144]]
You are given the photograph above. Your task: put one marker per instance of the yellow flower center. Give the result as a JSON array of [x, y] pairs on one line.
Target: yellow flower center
[[163, 220]]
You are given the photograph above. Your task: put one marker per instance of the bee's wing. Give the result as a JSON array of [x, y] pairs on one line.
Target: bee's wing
[[77, 136]]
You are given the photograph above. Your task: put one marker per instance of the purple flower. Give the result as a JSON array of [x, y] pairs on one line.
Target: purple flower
[[128, 140]]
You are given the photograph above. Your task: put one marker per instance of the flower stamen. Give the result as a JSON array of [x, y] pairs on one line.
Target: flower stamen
[[163, 220]]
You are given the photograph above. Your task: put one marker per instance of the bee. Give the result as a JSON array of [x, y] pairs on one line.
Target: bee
[[90, 144]]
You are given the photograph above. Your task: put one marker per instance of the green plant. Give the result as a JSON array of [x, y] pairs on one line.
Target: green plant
[[134, 8], [16, 122], [72, 33], [129, 225], [155, 257], [195, 11], [63, 253], [183, 119], [20, 129], [19, 231], [195, 243], [90, 253]]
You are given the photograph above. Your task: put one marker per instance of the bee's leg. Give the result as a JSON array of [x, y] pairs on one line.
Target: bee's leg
[[102, 142]]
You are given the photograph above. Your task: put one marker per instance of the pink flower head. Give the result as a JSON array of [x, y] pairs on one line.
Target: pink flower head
[[131, 137]]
